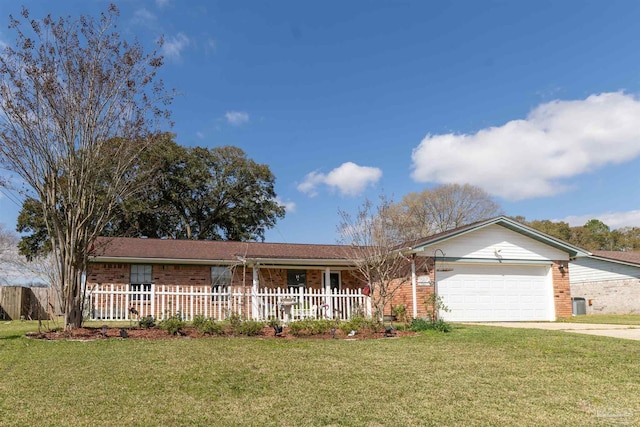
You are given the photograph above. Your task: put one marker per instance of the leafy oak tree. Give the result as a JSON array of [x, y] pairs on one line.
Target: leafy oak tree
[[79, 105], [183, 193], [202, 194]]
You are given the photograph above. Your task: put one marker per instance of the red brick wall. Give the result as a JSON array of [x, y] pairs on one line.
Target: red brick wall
[[561, 290], [200, 275], [404, 296]]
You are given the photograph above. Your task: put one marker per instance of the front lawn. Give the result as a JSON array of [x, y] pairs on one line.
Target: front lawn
[[613, 319], [475, 375]]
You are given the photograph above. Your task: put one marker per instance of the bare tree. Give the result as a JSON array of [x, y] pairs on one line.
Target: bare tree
[[8, 254], [371, 245], [440, 209], [78, 106]]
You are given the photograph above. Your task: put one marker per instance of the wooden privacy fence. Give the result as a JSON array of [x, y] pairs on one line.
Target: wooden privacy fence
[[120, 302], [18, 302]]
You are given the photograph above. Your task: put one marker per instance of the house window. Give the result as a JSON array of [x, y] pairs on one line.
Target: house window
[[220, 277], [140, 281], [296, 279]]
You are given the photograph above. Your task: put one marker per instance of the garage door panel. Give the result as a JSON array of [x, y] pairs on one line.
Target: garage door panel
[[496, 293]]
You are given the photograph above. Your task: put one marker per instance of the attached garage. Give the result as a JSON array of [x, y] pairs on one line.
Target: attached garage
[[493, 270], [476, 293]]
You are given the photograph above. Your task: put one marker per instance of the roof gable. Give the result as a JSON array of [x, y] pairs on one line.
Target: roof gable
[[503, 221]]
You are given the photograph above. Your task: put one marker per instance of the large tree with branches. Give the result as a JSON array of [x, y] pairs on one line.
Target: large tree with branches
[[439, 209], [79, 104]]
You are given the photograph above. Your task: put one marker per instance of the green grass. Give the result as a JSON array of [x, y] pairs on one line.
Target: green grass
[[613, 319], [474, 375]]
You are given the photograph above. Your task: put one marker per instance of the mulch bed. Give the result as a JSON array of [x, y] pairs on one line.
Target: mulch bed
[[91, 334]]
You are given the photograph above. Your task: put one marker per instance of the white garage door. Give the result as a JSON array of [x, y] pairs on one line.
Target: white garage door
[[496, 293]]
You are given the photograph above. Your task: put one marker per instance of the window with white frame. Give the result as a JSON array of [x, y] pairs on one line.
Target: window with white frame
[[140, 280], [220, 277]]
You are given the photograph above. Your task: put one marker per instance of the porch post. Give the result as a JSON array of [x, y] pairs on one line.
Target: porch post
[[414, 293], [254, 293], [327, 290]]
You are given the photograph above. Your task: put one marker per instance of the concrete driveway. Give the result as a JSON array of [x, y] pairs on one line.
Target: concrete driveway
[[629, 332]]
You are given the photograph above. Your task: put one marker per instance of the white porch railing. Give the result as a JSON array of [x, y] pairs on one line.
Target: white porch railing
[[119, 302]]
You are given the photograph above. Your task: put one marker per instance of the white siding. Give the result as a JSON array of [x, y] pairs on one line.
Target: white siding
[[587, 269], [484, 242]]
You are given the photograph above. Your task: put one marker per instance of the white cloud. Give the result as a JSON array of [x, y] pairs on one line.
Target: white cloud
[[614, 220], [236, 118], [290, 207], [349, 179], [144, 17], [173, 46], [534, 157], [162, 3]]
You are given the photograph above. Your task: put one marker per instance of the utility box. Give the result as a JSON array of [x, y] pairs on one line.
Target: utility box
[[579, 306]]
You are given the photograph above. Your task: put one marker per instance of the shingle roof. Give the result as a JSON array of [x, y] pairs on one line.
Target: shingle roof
[[123, 247], [630, 257]]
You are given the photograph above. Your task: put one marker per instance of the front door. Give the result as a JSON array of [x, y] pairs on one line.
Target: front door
[[334, 279]]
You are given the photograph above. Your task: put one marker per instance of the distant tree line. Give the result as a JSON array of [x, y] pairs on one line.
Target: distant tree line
[[594, 235]]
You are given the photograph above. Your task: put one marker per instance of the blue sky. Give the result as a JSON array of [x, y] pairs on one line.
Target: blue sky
[[537, 102]]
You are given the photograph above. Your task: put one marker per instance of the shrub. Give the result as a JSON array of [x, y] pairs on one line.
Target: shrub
[[198, 321], [173, 325], [210, 327], [234, 320], [207, 326], [297, 328], [360, 324], [147, 322], [250, 328], [419, 325], [441, 326]]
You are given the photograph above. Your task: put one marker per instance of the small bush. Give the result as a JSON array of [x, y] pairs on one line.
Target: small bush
[[234, 320], [441, 326], [419, 325], [198, 321], [250, 328], [311, 327], [210, 327], [297, 328], [173, 325], [147, 322], [360, 324]]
